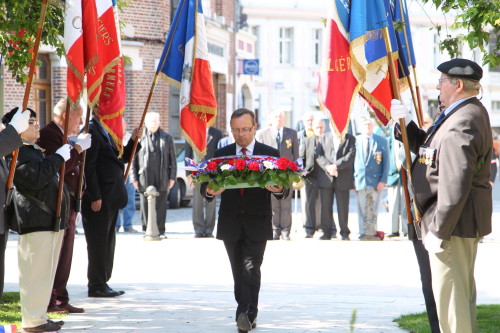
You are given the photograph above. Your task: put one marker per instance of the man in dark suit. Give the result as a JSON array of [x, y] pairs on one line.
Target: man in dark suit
[[204, 211], [9, 140], [285, 140], [245, 220], [51, 138], [335, 156], [155, 165], [453, 160], [311, 167], [104, 196]]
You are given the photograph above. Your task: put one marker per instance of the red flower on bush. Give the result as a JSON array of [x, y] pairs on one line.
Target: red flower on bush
[[254, 166], [240, 164], [22, 32], [282, 163], [212, 166]]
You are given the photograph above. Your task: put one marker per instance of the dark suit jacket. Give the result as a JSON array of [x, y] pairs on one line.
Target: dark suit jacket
[[214, 136], [252, 212], [345, 157], [51, 139], [104, 170], [307, 153], [460, 174], [168, 162], [9, 141]]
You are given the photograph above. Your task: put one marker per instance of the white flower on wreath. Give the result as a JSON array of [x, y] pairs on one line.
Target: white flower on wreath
[[225, 167], [268, 164]]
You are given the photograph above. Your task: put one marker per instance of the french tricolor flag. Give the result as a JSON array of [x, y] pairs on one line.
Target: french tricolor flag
[[81, 46], [8, 328], [185, 64]]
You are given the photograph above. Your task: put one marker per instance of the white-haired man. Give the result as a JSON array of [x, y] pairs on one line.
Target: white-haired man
[[51, 138], [155, 164]]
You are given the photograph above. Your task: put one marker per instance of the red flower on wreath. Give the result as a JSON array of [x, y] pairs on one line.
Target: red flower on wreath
[[212, 166], [254, 166], [293, 166], [217, 160], [240, 164], [282, 163]]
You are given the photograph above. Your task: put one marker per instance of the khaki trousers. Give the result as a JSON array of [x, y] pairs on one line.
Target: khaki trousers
[[454, 286], [38, 255]]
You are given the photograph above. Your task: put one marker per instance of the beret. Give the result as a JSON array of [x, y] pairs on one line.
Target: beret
[[464, 68], [9, 115]]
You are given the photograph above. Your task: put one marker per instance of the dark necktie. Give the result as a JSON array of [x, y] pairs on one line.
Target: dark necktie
[[436, 123], [243, 152], [278, 139]]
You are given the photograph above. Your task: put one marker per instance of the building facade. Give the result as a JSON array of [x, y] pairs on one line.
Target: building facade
[[146, 27]]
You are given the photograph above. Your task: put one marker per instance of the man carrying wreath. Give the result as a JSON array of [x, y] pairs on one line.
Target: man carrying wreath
[[244, 222]]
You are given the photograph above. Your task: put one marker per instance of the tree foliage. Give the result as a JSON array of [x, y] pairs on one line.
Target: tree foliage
[[18, 27], [480, 19]]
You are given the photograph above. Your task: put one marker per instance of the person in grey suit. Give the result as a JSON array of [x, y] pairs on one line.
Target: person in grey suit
[[453, 159], [203, 210], [335, 156], [371, 168], [285, 140], [9, 141]]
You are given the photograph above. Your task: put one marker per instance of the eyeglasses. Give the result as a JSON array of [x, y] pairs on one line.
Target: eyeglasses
[[440, 81], [244, 130]]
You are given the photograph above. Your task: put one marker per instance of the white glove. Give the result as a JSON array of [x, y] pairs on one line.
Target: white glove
[[21, 120], [432, 243], [64, 151], [399, 110], [84, 140]]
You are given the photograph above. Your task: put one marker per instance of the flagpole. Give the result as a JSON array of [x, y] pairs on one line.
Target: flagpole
[[418, 104], [79, 191], [27, 90], [62, 169], [136, 139], [402, 122]]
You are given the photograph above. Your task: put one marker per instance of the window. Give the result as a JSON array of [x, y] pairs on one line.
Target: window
[[285, 46], [495, 106], [317, 47], [173, 7], [42, 90], [256, 33]]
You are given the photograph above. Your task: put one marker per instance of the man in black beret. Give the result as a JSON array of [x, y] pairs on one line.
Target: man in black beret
[[453, 159]]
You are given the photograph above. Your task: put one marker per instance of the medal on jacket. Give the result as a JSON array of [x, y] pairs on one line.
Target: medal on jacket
[[427, 156]]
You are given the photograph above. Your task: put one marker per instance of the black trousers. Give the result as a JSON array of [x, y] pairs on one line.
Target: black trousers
[[246, 257], [3, 245], [312, 194], [100, 235], [426, 278]]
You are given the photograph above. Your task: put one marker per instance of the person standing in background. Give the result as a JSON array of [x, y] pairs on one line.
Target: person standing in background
[[155, 165], [203, 211], [285, 140]]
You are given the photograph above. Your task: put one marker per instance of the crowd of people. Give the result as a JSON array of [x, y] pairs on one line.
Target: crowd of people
[[451, 156]]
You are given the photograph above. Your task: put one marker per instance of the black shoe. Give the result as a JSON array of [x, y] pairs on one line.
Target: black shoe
[[325, 237], [345, 238], [198, 235], [286, 237], [209, 236], [309, 236], [394, 234], [243, 323], [49, 326], [276, 237], [120, 292], [105, 292]]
